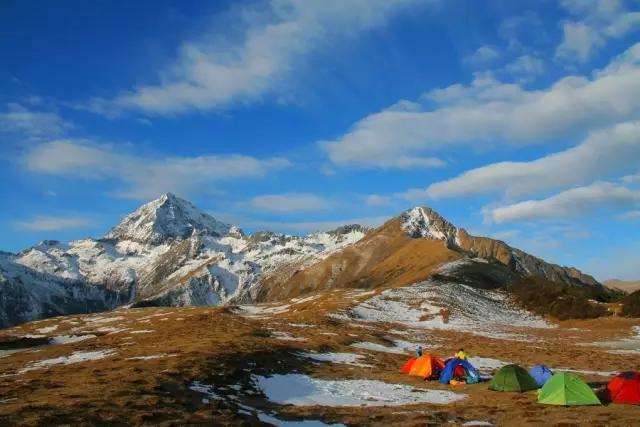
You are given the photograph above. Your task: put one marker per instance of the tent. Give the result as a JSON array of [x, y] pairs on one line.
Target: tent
[[566, 389], [427, 366], [512, 378], [449, 371], [406, 368], [624, 388], [541, 374]]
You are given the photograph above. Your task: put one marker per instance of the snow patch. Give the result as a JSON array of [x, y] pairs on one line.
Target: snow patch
[[47, 329], [76, 357], [302, 390], [344, 358], [70, 339]]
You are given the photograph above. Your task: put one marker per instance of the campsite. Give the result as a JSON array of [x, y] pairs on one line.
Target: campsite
[[304, 360]]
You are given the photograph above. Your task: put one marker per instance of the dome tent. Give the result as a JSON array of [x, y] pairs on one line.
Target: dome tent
[[512, 378], [624, 388], [540, 373], [427, 366], [449, 371], [406, 368], [567, 389]]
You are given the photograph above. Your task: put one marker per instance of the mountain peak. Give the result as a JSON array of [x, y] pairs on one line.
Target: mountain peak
[[424, 222], [167, 217]]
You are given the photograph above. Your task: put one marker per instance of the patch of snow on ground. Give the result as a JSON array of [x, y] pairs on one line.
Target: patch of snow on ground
[[70, 339], [285, 336], [377, 347], [76, 357], [261, 310], [630, 345], [142, 331], [487, 364], [47, 329], [153, 356], [101, 320], [345, 358], [586, 372], [302, 390], [474, 311]]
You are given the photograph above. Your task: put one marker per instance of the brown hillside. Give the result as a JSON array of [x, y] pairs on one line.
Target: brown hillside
[[623, 285], [385, 256]]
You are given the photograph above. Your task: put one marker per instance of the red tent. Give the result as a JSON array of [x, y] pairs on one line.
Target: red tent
[[406, 368], [624, 388]]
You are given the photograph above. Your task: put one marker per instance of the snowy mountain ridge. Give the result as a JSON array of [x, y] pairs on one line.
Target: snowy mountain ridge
[[167, 252]]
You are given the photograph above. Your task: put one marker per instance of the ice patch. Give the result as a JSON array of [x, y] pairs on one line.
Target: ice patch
[[345, 358], [77, 357], [302, 390]]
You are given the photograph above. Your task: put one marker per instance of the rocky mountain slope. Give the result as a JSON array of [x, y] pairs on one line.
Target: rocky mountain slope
[[168, 253], [411, 248], [165, 253]]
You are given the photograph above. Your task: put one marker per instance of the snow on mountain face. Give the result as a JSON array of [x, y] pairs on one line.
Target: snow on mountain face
[[168, 217], [165, 253], [427, 223]]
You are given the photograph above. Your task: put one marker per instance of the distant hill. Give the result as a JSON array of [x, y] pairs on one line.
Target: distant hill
[[623, 285]]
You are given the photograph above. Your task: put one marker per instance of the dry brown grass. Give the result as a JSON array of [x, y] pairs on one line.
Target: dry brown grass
[[216, 345]]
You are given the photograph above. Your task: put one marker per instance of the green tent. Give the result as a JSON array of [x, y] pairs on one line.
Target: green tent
[[512, 378], [567, 389]]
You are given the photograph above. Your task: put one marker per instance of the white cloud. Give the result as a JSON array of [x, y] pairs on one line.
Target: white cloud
[[289, 203], [53, 223], [144, 178], [604, 153], [489, 111], [631, 178], [525, 67], [578, 41], [19, 119], [570, 203], [378, 200], [215, 73], [484, 55], [597, 21]]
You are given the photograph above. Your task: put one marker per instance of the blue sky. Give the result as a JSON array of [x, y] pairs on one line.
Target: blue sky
[[516, 120]]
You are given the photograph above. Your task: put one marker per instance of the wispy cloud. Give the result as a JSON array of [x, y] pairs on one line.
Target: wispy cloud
[[290, 203], [604, 153], [483, 56], [54, 223], [567, 204], [213, 73], [595, 22], [23, 121], [489, 111], [143, 177]]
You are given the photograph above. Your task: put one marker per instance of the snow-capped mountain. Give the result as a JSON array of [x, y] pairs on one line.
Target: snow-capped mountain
[[422, 222], [165, 253]]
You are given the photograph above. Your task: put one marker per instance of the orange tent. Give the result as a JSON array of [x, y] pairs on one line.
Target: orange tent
[[427, 366], [406, 368]]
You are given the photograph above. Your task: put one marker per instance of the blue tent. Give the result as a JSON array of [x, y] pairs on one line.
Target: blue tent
[[472, 374], [541, 374]]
